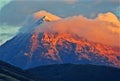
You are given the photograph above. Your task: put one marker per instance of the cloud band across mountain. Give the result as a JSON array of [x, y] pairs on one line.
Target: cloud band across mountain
[[104, 29]]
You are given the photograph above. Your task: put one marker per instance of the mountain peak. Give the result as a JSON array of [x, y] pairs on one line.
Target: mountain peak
[[46, 16]]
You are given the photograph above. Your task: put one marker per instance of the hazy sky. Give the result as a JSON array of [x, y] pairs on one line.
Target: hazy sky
[[17, 11]]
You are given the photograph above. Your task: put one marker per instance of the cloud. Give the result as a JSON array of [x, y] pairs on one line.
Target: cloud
[[104, 29], [42, 13], [7, 32], [70, 1], [113, 1]]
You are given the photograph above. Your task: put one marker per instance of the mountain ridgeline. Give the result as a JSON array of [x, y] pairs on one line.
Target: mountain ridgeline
[[59, 72], [74, 72], [11, 73]]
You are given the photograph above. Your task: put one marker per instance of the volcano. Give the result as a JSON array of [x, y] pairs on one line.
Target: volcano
[[32, 47]]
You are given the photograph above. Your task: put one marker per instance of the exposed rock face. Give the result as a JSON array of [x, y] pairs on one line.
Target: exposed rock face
[[50, 48]]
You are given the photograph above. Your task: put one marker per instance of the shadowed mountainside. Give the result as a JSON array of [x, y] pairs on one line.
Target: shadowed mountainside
[[11, 73], [74, 72], [59, 72]]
